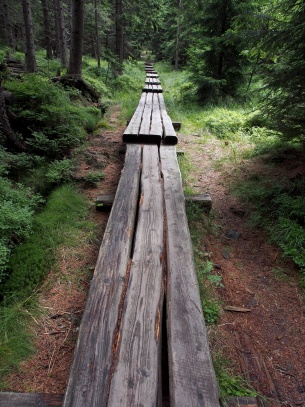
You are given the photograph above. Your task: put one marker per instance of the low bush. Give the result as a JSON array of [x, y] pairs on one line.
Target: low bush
[[31, 260], [16, 218]]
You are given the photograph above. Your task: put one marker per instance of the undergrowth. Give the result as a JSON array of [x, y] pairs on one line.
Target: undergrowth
[[278, 206]]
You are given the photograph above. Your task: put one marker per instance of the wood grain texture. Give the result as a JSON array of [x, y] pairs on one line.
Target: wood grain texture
[[146, 121], [89, 376], [192, 378], [156, 129], [132, 131], [169, 134], [136, 378], [30, 400]]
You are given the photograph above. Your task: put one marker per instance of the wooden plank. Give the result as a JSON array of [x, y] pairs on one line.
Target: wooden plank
[[30, 400], [104, 202], [203, 200], [145, 125], [93, 357], [242, 402], [192, 378], [156, 129], [132, 131], [169, 134], [136, 378], [151, 75]]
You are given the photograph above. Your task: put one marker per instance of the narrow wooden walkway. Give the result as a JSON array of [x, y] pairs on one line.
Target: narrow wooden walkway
[[143, 340]]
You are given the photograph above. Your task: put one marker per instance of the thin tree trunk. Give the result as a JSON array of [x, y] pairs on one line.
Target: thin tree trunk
[[178, 36], [119, 33], [47, 30], [7, 25], [76, 53], [98, 52], [62, 46], [30, 58]]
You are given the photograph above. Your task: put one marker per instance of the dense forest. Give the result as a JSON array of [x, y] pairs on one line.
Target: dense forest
[[64, 62]]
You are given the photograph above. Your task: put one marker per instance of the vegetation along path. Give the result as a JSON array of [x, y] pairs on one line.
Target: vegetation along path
[[261, 326]]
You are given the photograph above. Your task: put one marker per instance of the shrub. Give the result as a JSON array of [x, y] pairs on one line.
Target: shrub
[[31, 260], [46, 116], [16, 218]]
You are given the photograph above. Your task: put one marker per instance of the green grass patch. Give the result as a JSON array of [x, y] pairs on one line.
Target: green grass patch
[[62, 216]]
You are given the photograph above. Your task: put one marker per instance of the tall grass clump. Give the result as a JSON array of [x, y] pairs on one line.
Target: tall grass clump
[[29, 263], [16, 334]]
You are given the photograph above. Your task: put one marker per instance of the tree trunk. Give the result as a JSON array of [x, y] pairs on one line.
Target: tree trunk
[[178, 36], [47, 30], [61, 33], [30, 58], [7, 25], [98, 52], [76, 53], [119, 33], [12, 141]]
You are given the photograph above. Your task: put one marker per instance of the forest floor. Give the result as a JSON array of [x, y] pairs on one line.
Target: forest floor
[[265, 344]]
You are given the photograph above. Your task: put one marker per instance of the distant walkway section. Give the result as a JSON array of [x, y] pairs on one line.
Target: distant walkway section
[[150, 123]]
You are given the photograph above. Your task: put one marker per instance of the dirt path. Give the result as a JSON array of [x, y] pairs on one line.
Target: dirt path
[[266, 344]]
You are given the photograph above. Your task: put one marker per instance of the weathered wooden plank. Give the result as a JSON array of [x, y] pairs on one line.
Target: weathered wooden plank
[[104, 202], [132, 131], [90, 373], [192, 378], [203, 200], [136, 378], [156, 129], [152, 88], [151, 75], [169, 134], [30, 400], [146, 121]]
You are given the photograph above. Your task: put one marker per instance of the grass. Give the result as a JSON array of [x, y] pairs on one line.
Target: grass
[[16, 335], [62, 222]]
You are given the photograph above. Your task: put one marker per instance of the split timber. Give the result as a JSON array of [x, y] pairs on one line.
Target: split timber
[[143, 341]]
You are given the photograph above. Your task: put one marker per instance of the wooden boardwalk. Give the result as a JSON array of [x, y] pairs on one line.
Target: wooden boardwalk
[[150, 123], [143, 340]]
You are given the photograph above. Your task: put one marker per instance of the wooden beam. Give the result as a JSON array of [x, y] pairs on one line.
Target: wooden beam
[[136, 379], [192, 379], [104, 202], [98, 336], [203, 200], [30, 400]]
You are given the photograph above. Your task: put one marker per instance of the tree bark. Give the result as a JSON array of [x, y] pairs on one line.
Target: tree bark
[[98, 52], [7, 25], [76, 53], [119, 33], [47, 29], [61, 33], [30, 58], [178, 36]]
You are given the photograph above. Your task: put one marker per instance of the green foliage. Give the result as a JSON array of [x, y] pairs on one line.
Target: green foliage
[[17, 205], [92, 178], [46, 116], [230, 385], [31, 260], [60, 171], [284, 78], [280, 208]]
